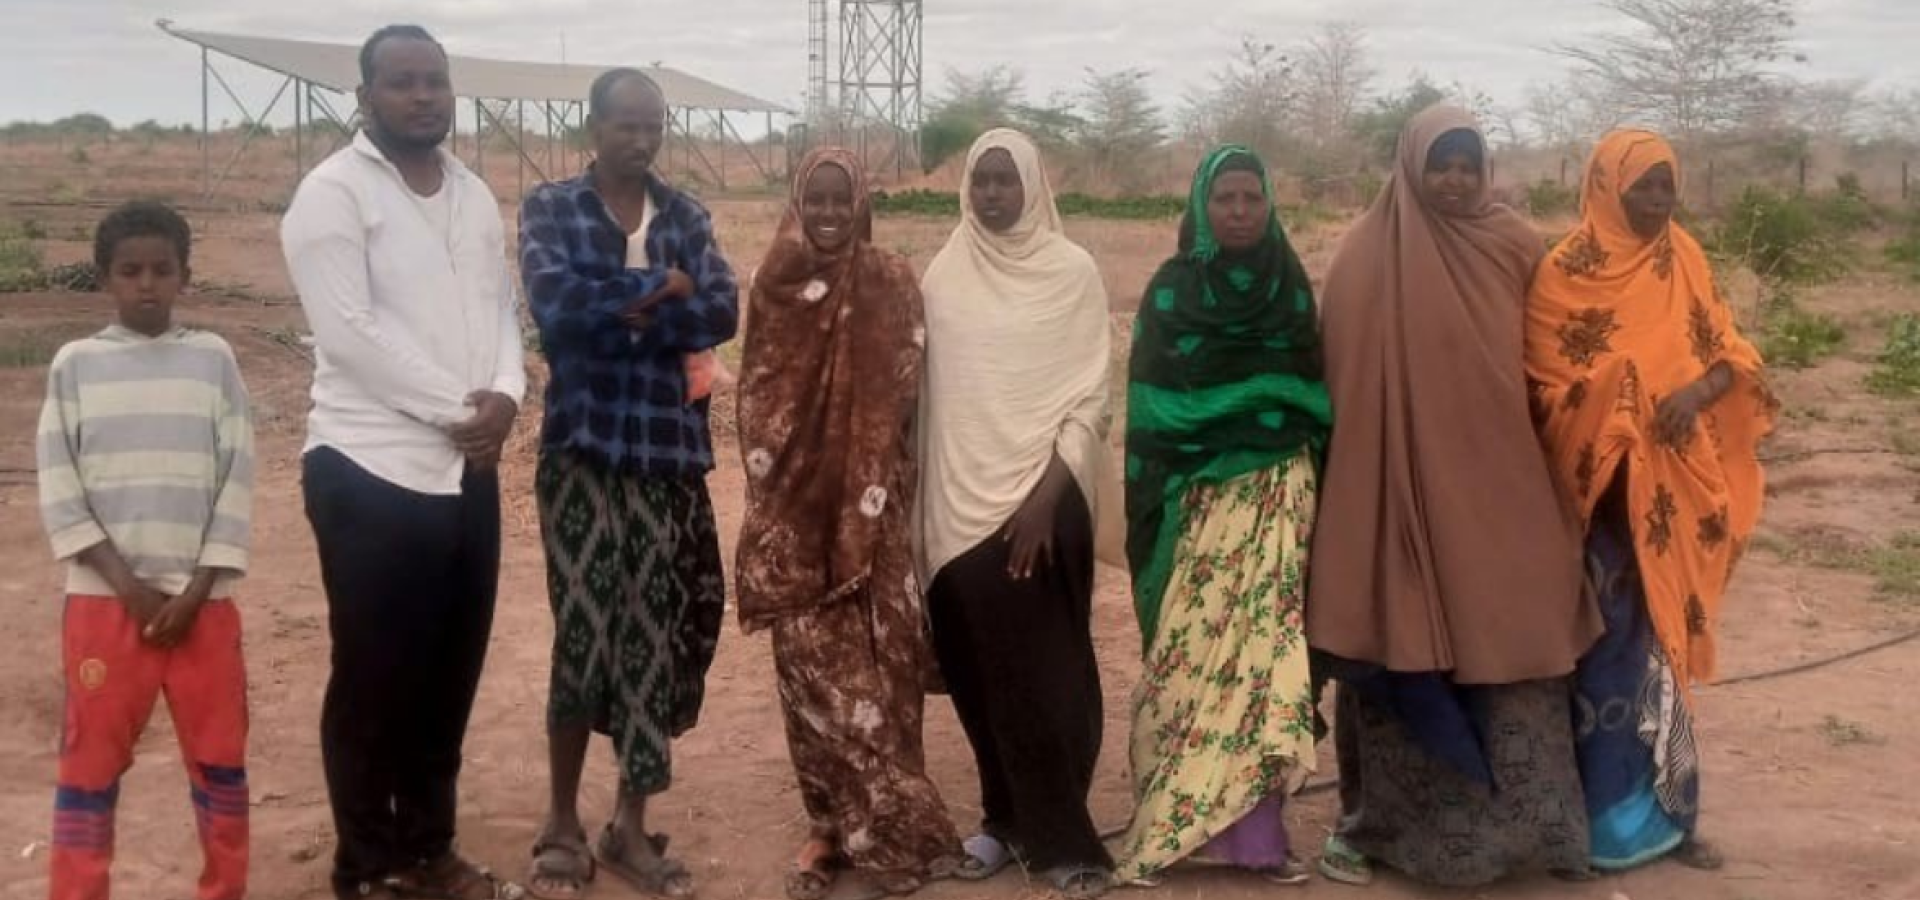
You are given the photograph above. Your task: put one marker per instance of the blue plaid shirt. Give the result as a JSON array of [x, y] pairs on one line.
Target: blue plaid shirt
[[618, 394]]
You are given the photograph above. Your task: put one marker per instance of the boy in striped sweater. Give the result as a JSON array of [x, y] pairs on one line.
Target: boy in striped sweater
[[146, 477]]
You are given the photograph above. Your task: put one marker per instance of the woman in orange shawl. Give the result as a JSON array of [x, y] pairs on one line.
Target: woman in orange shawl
[[834, 347], [1651, 406]]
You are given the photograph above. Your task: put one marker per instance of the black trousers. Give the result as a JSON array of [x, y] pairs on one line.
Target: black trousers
[[1017, 657], [410, 581]]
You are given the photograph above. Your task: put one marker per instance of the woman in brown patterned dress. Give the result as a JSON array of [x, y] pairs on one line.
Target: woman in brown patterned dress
[[832, 372]]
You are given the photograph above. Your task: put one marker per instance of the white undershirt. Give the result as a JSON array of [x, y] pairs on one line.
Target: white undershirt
[[637, 249], [637, 241], [438, 209]]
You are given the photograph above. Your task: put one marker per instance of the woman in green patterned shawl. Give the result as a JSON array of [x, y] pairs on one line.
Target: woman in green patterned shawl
[[1227, 417]]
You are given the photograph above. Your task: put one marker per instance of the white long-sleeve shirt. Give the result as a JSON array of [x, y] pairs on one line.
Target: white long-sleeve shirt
[[409, 317]]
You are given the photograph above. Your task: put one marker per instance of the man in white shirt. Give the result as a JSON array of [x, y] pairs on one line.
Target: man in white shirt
[[398, 254]]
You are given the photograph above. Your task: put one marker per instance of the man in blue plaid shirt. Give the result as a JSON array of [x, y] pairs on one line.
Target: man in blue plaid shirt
[[627, 285]]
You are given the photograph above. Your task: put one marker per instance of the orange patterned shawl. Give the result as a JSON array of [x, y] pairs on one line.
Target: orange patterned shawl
[[1615, 323]]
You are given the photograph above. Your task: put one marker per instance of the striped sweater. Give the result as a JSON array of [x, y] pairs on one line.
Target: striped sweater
[[147, 442]]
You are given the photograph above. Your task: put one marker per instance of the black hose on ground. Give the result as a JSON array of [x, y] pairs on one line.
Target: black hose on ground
[[1323, 785]]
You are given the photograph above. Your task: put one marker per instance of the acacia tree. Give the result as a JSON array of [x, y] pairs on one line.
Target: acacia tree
[[1249, 100], [1895, 115], [1567, 115], [988, 97], [1693, 66], [1379, 128], [1117, 122], [1831, 109], [1335, 75], [970, 104]]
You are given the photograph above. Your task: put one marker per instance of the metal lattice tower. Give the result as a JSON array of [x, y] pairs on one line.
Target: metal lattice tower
[[818, 51], [880, 79]]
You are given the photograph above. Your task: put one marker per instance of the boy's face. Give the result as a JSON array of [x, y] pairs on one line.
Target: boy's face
[[145, 277]]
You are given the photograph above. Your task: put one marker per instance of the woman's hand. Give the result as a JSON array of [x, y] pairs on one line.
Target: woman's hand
[[1679, 412], [1030, 531]]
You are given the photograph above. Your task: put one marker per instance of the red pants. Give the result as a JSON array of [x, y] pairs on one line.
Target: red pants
[[112, 681]]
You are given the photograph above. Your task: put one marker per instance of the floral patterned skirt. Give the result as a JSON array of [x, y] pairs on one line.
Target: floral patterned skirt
[[1223, 717]]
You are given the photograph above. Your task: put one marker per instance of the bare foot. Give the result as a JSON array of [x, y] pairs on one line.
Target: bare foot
[[817, 853]]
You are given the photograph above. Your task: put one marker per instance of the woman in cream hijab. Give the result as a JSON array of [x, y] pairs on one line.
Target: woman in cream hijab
[[1013, 436]]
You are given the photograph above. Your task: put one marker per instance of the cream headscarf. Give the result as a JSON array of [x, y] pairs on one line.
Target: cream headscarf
[[1017, 366]]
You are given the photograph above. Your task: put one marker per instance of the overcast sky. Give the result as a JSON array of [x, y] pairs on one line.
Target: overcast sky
[[58, 57]]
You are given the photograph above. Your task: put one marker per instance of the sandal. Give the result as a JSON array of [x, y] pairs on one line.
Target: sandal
[[1340, 862], [944, 868], [655, 876], [1081, 882], [452, 877], [1290, 874], [365, 890], [1698, 854], [987, 856], [562, 861], [898, 884], [809, 884]]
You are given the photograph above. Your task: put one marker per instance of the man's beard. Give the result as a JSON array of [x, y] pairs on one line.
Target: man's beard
[[400, 140]]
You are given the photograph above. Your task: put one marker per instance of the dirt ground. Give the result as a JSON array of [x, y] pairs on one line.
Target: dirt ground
[[1811, 781]]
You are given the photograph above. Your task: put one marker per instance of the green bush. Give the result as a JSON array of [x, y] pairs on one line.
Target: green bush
[[1848, 208], [1795, 339], [1157, 208], [1547, 197], [28, 349], [1367, 186], [942, 203], [945, 137], [1132, 208], [72, 278], [21, 268], [1897, 373], [917, 202], [83, 124], [1784, 239], [1903, 251]]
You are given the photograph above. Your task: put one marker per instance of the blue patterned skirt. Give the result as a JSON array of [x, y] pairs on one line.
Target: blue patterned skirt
[[1634, 733]]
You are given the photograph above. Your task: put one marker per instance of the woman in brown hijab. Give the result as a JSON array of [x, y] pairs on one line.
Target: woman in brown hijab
[[1446, 586], [834, 348]]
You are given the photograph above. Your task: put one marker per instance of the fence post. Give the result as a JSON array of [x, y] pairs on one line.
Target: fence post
[[1906, 182], [1803, 175]]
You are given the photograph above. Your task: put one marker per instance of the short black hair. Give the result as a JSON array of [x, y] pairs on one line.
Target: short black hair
[[601, 93], [391, 32], [1463, 141], [140, 218]]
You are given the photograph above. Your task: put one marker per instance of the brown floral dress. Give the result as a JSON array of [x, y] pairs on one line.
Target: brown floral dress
[[834, 348]]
